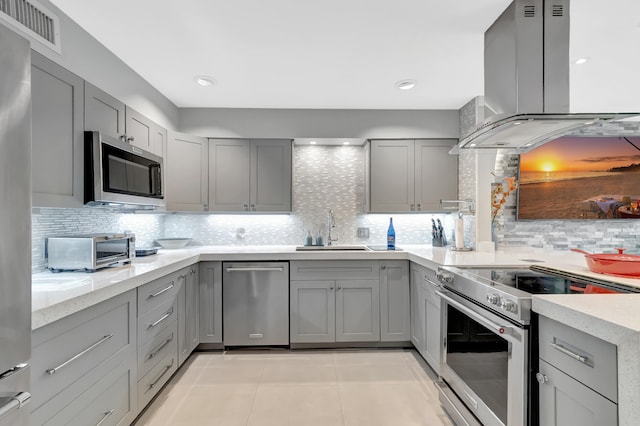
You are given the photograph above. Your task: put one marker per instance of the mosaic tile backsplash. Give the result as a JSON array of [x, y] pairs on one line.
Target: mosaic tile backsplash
[[332, 177]]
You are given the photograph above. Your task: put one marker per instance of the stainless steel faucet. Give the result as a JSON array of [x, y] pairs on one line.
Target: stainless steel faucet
[[330, 224]]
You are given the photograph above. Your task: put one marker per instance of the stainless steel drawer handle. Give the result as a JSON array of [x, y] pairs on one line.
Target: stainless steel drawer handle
[[14, 403], [256, 269], [106, 415], [157, 351], [577, 357], [86, 351], [162, 318], [169, 287], [156, 381]]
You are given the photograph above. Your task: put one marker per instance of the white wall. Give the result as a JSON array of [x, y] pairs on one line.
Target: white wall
[[317, 123], [85, 56]]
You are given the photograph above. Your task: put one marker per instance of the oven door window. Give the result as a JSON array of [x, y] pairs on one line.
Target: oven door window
[[112, 250], [480, 358], [127, 173]]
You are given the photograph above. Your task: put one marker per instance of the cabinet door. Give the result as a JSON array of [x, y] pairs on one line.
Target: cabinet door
[[357, 311], [565, 401], [186, 174], [313, 311], [432, 325], [192, 300], [392, 176], [102, 112], [417, 309], [159, 140], [395, 308], [210, 327], [229, 177], [141, 131], [436, 173], [57, 134], [271, 175]]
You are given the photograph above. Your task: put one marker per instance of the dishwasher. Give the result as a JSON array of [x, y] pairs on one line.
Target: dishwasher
[[255, 303]]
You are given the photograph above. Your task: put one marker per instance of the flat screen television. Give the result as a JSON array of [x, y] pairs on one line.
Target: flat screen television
[[580, 178]]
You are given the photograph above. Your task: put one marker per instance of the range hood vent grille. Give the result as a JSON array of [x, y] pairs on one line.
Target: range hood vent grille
[[529, 11], [33, 20]]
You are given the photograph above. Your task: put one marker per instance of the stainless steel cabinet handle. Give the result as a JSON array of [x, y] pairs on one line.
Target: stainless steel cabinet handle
[[331, 288], [162, 318], [246, 207], [383, 267], [255, 269], [157, 351], [14, 403], [542, 378], [169, 287], [253, 207], [130, 139], [419, 207], [106, 415], [89, 349], [155, 382], [577, 357]]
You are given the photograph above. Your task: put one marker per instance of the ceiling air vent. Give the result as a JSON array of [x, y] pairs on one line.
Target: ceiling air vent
[[557, 10], [529, 11], [33, 20]]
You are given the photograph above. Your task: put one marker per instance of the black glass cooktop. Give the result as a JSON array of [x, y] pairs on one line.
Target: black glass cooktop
[[543, 280]]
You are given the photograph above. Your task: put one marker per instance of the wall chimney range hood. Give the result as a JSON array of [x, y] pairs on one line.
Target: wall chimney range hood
[[528, 87]]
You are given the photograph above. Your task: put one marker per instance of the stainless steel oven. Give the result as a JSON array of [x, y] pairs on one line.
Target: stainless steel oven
[[489, 350]]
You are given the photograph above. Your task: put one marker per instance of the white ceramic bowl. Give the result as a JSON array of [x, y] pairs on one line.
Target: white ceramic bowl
[[173, 243]]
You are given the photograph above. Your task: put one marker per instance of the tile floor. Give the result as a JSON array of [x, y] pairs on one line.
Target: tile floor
[[301, 388]]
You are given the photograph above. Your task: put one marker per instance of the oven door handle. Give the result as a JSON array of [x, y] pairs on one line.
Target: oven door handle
[[497, 328]]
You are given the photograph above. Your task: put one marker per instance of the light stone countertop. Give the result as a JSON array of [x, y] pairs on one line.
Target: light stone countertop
[[56, 295]]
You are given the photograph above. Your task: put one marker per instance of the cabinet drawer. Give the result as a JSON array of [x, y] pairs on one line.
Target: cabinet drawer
[[153, 381], [108, 402], [156, 320], [157, 292], [586, 358], [335, 270], [157, 348], [68, 349]]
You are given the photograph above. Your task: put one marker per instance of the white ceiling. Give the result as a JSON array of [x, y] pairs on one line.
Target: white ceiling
[[297, 53]]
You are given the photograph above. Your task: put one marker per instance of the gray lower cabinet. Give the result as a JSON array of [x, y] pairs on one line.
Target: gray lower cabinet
[[57, 135], [187, 173], [188, 317], [417, 308], [395, 305], [412, 175], [84, 366], [432, 326], [210, 324], [577, 377], [334, 301], [250, 175]]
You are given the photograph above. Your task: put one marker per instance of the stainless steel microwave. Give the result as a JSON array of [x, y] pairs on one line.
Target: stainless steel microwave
[[89, 252], [118, 173]]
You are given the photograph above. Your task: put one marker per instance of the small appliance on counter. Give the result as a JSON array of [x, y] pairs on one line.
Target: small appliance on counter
[[89, 252]]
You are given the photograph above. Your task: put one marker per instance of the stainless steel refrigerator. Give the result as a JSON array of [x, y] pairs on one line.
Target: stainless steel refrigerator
[[15, 227]]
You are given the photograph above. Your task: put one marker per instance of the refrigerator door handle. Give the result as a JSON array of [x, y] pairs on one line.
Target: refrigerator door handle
[[14, 403], [13, 371]]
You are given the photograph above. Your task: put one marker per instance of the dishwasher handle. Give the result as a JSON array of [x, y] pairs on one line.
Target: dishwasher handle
[[256, 269]]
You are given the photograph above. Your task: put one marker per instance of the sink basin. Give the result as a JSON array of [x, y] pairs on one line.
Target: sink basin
[[325, 248]]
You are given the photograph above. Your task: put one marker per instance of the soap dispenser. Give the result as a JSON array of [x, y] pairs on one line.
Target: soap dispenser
[[309, 240], [319, 241]]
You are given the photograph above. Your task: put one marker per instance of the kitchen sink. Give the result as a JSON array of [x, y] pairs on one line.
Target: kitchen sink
[[336, 248]]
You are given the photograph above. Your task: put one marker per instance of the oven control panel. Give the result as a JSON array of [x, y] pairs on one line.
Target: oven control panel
[[502, 302]]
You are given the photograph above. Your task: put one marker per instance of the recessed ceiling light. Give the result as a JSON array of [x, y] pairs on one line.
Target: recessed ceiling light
[[345, 143], [204, 80], [406, 84], [312, 142], [581, 61]]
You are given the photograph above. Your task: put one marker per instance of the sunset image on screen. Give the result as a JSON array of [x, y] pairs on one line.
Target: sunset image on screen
[[581, 178]]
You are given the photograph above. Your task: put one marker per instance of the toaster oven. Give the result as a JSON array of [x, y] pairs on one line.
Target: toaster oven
[[89, 252]]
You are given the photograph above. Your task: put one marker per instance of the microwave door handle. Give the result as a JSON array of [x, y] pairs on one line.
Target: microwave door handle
[[501, 330], [157, 177]]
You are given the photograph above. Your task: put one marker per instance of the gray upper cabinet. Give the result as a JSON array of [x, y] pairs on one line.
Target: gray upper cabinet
[[412, 175], [186, 171], [103, 112], [250, 175], [109, 116], [57, 134]]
